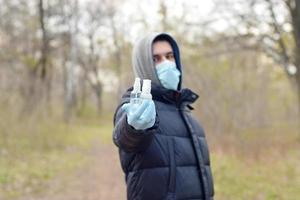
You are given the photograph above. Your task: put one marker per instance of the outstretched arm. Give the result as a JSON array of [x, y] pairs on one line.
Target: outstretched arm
[[129, 139]]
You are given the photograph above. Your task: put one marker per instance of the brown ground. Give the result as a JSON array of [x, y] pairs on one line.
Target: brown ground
[[101, 179]]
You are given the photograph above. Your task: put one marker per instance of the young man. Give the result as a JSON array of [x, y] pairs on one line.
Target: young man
[[162, 148]]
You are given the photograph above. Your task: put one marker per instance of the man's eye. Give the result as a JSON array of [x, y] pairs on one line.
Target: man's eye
[[170, 56], [156, 59]]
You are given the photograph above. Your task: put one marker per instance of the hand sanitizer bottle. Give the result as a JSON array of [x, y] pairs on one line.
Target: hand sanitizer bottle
[[136, 92], [146, 90]]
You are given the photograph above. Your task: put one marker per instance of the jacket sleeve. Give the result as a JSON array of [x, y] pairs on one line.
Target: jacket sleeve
[[129, 139]]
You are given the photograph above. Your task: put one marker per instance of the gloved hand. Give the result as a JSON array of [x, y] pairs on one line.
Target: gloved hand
[[140, 116]]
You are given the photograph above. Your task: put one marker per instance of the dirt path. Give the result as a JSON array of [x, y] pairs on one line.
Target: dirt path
[[102, 179]]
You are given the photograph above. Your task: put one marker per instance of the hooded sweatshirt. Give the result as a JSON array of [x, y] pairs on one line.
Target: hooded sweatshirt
[[169, 161], [142, 61]]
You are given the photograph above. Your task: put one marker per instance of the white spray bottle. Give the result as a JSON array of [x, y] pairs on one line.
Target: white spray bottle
[[146, 89], [136, 92]]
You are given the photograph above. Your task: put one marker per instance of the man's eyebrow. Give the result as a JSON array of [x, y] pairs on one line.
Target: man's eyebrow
[[163, 54], [170, 52]]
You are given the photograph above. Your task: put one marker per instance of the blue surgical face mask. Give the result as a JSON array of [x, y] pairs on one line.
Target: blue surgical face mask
[[168, 74]]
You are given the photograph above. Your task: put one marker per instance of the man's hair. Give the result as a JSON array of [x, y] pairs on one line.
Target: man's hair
[[161, 38]]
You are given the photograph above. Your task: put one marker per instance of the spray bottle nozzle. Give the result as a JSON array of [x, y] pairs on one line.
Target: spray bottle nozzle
[[137, 85]]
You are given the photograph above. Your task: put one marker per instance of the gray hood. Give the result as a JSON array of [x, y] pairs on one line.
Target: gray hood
[[142, 58]]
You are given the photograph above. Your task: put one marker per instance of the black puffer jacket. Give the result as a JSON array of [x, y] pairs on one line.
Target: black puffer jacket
[[169, 160]]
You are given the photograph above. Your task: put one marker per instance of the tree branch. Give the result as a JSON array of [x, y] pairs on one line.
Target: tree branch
[[277, 30]]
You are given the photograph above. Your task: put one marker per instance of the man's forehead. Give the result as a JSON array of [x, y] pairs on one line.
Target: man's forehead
[[161, 48]]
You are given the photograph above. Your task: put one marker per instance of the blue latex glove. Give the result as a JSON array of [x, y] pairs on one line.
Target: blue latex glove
[[140, 116]]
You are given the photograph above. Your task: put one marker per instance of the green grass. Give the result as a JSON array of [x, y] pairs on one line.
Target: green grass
[[32, 153], [261, 164], [256, 164], [236, 178]]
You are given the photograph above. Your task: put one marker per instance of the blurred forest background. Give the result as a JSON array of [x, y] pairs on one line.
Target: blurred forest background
[[65, 63]]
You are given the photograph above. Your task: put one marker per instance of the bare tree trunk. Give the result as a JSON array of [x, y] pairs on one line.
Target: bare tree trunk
[[295, 15], [298, 86], [98, 91], [48, 90], [70, 97], [117, 54], [83, 93], [29, 92], [44, 48], [163, 10], [37, 87]]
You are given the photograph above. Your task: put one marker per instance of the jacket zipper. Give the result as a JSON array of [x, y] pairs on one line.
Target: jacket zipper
[[197, 149]]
